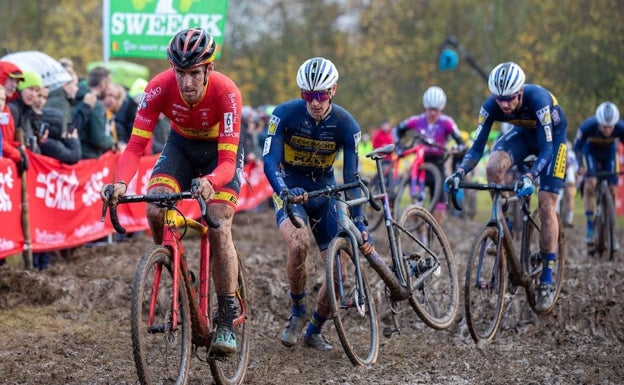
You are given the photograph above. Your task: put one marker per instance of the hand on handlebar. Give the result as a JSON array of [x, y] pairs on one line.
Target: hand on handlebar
[[452, 182], [298, 194], [111, 192], [368, 246], [204, 189], [524, 186]]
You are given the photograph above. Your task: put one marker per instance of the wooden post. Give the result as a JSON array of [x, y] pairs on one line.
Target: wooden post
[[27, 252]]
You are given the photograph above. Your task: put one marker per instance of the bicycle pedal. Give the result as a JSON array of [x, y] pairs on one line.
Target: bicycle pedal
[[388, 331]]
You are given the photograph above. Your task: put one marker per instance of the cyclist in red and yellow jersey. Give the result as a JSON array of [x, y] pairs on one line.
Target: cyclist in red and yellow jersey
[[204, 108]]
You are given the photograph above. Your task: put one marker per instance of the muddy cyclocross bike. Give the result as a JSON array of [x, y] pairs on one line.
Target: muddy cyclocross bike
[[498, 265], [172, 308], [603, 243], [408, 187], [422, 272]]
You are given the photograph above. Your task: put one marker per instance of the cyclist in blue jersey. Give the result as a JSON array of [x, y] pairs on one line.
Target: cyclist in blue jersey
[[303, 138], [596, 150], [539, 128]]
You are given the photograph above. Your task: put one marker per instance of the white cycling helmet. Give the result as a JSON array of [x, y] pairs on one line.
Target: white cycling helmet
[[607, 114], [317, 74], [434, 97], [506, 79]]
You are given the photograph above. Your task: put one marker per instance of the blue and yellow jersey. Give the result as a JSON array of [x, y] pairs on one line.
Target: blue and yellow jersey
[[298, 148], [539, 113]]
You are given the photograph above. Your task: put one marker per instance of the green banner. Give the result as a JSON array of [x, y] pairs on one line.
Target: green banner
[[143, 28]]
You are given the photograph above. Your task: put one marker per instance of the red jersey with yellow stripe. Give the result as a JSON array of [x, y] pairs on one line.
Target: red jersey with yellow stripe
[[215, 118]]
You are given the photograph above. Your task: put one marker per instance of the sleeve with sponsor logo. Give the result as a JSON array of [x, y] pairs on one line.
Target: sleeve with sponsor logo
[[231, 104], [148, 111], [273, 151], [544, 138]]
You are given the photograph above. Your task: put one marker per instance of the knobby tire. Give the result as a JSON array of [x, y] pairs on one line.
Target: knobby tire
[[231, 370], [163, 355], [485, 286], [352, 306], [436, 298]]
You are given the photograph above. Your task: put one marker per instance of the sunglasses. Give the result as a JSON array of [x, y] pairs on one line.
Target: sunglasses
[[309, 96], [506, 99]]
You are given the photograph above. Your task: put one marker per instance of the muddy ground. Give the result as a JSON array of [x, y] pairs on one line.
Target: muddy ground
[[70, 324]]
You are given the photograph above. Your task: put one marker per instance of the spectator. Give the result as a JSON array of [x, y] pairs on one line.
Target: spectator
[[383, 135], [58, 144], [63, 98], [95, 139], [10, 76], [249, 134], [22, 110], [114, 97], [10, 147], [124, 118], [161, 132]]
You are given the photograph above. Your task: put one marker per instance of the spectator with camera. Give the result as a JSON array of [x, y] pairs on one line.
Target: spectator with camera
[[58, 144]]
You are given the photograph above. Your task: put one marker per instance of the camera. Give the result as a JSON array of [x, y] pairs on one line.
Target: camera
[[43, 127]]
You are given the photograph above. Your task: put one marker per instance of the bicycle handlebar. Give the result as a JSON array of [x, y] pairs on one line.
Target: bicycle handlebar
[[415, 137], [492, 187], [163, 199], [329, 191]]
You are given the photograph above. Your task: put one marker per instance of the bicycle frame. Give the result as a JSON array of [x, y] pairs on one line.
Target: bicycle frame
[[519, 276], [172, 240], [199, 308], [392, 276]]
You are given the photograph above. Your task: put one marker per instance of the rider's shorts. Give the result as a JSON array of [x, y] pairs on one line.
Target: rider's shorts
[[319, 212], [182, 160], [520, 142], [601, 159]]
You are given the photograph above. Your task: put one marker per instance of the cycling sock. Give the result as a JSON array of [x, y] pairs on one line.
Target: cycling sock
[[569, 216], [549, 260], [227, 310], [315, 325], [590, 220], [298, 307]]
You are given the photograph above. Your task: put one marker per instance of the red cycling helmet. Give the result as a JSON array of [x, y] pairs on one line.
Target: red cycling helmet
[[191, 48]]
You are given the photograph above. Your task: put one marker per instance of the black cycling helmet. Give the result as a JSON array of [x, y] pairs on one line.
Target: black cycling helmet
[[190, 48]]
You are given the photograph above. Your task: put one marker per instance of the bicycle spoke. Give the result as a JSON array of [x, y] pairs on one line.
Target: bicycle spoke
[[428, 267]]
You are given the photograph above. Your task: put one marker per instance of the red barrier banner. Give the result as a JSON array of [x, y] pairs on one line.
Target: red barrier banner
[[255, 187], [64, 201], [65, 208], [11, 236]]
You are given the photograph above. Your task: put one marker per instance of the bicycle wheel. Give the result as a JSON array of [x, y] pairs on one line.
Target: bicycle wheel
[[231, 370], [485, 286], [427, 199], [604, 230], [532, 261], [375, 218], [162, 351], [428, 267], [352, 304]]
